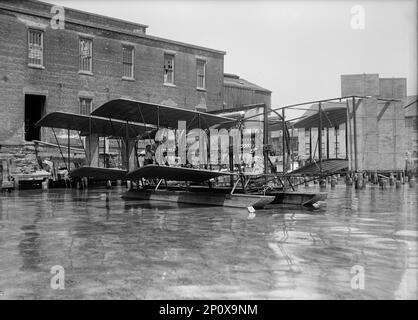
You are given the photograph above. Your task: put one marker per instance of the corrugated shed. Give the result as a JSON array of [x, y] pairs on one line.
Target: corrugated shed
[[239, 92]]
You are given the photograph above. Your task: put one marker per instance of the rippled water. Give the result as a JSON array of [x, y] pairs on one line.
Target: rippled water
[[120, 249]]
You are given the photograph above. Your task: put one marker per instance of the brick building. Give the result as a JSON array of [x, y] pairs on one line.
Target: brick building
[[86, 61]]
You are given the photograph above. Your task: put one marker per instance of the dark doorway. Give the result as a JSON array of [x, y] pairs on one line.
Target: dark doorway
[[34, 110]]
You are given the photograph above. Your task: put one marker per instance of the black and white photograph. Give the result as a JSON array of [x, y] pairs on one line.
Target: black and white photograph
[[233, 151]]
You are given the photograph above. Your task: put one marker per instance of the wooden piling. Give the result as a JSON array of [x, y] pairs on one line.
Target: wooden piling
[[391, 179], [349, 180], [1, 176], [359, 181], [45, 185], [333, 182]]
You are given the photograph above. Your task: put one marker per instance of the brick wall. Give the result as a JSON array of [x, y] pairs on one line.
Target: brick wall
[[62, 84]]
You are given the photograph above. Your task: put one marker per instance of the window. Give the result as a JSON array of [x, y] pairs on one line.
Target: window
[[85, 106], [35, 52], [337, 130], [86, 55], [307, 132], [127, 62], [323, 148], [201, 70], [307, 149], [168, 69]]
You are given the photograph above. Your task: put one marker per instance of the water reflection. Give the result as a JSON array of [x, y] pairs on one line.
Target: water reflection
[[113, 248], [29, 246]]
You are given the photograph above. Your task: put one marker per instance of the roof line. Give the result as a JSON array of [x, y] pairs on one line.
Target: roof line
[[95, 14], [233, 85], [102, 27]]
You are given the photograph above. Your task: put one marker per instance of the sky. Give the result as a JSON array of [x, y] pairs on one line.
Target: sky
[[296, 49]]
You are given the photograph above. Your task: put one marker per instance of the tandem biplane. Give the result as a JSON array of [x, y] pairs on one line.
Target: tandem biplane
[[130, 121]]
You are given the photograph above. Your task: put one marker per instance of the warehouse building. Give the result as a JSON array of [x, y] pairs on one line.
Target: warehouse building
[[239, 93], [61, 59], [91, 60]]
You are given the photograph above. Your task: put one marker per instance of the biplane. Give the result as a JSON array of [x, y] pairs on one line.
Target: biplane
[[132, 121]]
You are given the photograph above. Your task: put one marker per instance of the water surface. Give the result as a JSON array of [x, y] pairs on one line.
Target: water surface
[[117, 249]]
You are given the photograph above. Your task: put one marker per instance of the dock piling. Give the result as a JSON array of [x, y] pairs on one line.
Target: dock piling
[[45, 185], [359, 182], [383, 183], [333, 182], [375, 178], [391, 179], [349, 180]]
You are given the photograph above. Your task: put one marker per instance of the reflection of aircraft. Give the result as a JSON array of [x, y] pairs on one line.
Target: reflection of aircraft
[[132, 121]]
